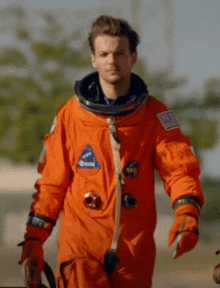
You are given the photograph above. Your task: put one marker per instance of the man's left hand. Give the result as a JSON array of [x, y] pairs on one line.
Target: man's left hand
[[184, 230]]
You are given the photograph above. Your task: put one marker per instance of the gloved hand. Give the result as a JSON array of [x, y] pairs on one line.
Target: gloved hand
[[32, 246], [184, 229]]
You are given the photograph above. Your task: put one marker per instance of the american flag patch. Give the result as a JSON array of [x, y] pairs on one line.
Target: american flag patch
[[168, 120]]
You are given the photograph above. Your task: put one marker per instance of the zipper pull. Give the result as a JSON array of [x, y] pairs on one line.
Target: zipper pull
[[112, 129]]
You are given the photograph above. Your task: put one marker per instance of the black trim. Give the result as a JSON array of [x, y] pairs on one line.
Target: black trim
[[119, 110], [192, 231], [40, 221], [49, 275], [42, 217], [82, 91], [186, 199]]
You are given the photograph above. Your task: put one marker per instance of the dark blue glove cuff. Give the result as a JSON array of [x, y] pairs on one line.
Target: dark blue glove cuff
[[40, 221]]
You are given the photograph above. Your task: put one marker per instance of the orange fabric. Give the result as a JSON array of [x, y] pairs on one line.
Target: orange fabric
[[87, 233], [87, 272], [187, 209], [83, 272]]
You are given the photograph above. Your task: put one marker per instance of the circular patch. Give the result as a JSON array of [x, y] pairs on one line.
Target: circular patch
[[92, 200]]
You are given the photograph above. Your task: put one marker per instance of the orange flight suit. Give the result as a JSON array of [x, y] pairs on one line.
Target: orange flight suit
[[86, 234]]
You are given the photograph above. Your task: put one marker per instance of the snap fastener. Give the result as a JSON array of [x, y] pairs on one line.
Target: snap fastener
[[128, 201], [92, 200], [131, 169]]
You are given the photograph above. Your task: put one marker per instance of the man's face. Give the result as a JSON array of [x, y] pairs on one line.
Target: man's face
[[113, 59]]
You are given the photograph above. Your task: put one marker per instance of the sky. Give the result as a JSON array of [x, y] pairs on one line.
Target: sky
[[197, 39], [196, 42]]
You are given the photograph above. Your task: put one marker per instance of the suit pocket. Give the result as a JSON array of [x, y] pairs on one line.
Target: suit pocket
[[82, 273]]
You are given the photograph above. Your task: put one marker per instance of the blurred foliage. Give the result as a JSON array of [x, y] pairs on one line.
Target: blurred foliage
[[203, 133], [211, 190], [22, 34], [160, 82], [12, 57], [37, 77], [212, 92], [200, 119]]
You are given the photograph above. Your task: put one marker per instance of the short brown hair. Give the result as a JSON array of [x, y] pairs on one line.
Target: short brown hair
[[107, 25]]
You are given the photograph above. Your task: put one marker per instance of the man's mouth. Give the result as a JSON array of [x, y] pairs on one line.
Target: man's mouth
[[113, 70]]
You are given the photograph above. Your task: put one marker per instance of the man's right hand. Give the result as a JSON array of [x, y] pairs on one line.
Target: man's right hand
[[32, 257], [33, 250]]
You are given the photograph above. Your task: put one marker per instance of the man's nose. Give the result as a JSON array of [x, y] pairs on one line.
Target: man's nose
[[111, 58]]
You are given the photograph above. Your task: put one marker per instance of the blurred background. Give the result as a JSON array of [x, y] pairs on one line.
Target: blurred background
[[44, 50]]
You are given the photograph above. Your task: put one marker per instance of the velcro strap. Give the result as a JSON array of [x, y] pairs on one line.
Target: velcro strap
[[186, 199], [40, 221]]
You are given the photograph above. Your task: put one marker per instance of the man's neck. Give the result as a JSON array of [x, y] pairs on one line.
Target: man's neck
[[112, 91]]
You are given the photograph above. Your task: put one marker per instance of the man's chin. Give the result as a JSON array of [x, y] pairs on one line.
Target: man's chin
[[115, 80]]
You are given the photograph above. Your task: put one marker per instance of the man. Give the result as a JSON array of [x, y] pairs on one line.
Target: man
[[98, 169]]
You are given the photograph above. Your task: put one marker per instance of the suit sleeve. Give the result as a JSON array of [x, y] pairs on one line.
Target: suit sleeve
[[55, 169], [176, 163]]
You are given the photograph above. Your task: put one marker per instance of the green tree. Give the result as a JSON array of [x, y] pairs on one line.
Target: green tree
[[37, 77], [200, 118], [211, 211], [159, 83]]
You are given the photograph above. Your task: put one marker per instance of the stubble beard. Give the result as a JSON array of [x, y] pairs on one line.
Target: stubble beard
[[115, 80]]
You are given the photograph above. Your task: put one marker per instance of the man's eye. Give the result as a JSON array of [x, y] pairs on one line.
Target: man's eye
[[120, 53]]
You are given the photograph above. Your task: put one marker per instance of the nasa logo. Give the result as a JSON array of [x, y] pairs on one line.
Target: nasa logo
[[87, 159]]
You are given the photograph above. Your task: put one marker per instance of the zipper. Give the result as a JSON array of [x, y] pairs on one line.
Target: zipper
[[115, 145]]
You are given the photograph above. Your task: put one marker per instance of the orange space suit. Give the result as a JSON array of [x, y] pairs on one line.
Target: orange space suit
[[79, 180]]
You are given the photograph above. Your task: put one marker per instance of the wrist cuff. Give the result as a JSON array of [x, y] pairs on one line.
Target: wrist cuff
[[40, 221], [186, 199]]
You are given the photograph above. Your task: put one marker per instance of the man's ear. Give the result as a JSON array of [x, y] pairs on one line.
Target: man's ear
[[134, 57], [92, 56]]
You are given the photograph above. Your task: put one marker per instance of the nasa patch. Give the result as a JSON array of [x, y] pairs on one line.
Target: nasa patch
[[87, 159], [168, 120]]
